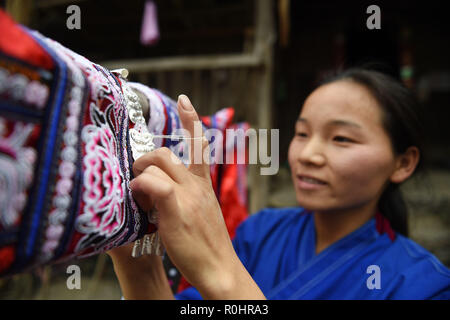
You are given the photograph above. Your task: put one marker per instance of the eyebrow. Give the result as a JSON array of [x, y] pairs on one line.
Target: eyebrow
[[337, 122]]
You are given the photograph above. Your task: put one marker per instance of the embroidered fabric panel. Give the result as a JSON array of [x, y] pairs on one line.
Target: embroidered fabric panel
[[107, 215], [65, 156]]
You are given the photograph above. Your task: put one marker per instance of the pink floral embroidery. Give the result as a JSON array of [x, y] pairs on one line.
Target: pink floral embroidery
[[104, 185], [107, 209]]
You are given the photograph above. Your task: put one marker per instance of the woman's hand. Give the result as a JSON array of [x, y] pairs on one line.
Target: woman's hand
[[191, 224], [142, 278]]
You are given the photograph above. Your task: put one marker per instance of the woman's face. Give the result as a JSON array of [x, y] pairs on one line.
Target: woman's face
[[341, 157]]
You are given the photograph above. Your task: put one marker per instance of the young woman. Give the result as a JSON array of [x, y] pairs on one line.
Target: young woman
[[357, 138]]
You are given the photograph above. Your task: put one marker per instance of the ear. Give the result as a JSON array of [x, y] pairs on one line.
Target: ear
[[405, 165]]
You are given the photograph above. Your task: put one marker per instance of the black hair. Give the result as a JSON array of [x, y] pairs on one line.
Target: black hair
[[401, 120]]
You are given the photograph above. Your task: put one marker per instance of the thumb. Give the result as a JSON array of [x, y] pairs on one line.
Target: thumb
[[197, 143]]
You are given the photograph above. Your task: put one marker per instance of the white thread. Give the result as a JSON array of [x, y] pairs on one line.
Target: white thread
[[175, 137]]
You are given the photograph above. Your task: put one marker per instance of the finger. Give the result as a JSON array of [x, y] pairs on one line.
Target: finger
[[151, 186], [153, 173], [145, 202], [198, 144], [165, 160], [161, 191]]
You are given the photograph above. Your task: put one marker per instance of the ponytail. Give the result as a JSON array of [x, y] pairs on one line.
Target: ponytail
[[393, 207]]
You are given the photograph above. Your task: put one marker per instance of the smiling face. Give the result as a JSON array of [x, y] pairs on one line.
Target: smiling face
[[341, 157]]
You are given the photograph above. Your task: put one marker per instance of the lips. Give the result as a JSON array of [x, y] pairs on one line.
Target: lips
[[309, 183], [310, 179]]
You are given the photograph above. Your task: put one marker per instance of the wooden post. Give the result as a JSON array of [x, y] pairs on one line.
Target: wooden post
[[197, 90], [161, 80], [143, 78], [264, 39], [20, 10]]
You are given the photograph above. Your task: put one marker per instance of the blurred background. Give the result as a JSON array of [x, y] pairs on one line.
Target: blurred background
[[261, 57]]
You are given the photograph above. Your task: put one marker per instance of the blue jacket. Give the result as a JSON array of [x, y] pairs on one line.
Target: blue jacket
[[277, 246]]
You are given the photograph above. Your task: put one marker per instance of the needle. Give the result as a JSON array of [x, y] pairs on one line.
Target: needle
[[174, 137]]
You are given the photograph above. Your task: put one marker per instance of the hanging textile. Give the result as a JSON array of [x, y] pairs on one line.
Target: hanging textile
[[65, 153], [149, 29]]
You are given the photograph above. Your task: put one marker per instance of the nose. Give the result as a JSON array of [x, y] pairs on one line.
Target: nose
[[312, 153]]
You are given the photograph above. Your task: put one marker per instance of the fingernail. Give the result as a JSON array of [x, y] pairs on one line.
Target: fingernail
[[185, 103]]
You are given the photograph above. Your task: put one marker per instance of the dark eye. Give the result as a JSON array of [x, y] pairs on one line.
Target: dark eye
[[342, 139], [301, 134]]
